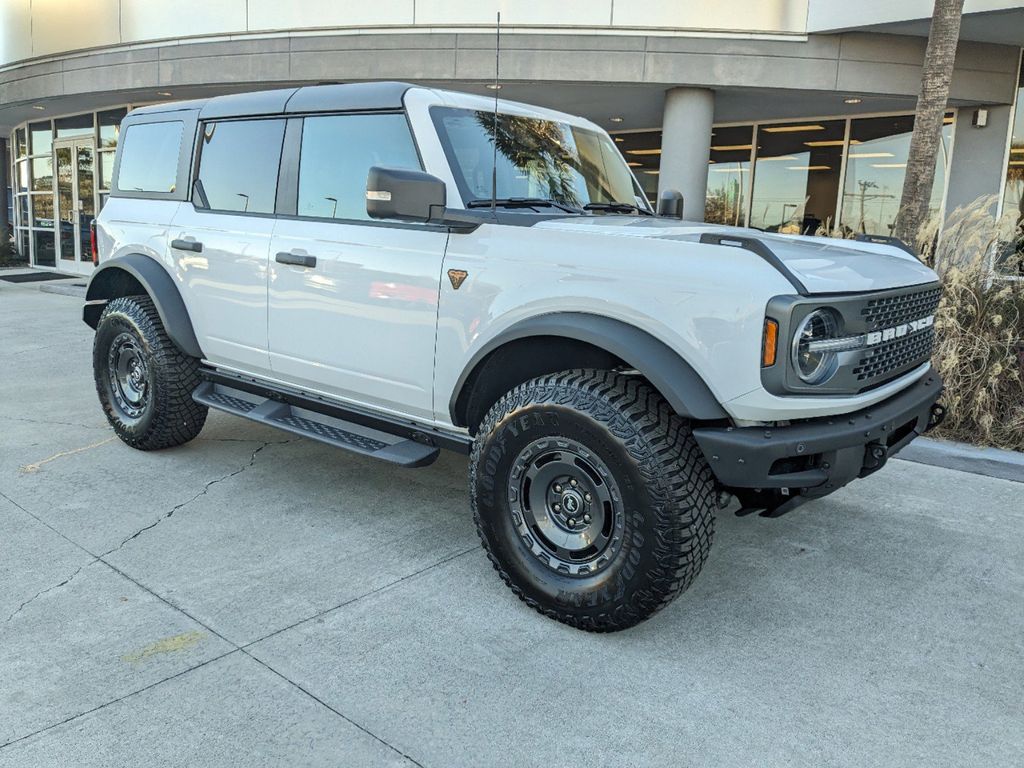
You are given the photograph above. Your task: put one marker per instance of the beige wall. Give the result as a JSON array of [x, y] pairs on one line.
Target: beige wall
[[35, 28]]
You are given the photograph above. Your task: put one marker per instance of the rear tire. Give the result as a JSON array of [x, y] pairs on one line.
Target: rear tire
[[591, 497], [145, 383]]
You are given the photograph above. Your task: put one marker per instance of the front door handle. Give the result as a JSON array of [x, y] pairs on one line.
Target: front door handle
[[187, 245], [298, 259]]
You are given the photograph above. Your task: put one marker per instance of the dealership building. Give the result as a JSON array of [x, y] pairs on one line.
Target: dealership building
[[787, 115]]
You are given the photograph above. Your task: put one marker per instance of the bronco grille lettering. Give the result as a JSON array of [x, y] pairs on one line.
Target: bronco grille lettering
[[898, 331]]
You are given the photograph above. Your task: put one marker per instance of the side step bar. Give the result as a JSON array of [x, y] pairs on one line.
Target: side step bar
[[356, 438]]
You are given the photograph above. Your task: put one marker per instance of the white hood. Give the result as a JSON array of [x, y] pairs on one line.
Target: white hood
[[822, 264]]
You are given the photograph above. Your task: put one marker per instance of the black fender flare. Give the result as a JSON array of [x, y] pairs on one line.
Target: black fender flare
[[108, 282], [667, 371]]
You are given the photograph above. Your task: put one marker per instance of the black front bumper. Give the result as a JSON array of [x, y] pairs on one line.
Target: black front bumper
[[818, 456]]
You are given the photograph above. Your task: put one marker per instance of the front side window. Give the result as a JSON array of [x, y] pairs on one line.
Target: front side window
[[337, 154], [149, 157], [238, 164], [535, 159]]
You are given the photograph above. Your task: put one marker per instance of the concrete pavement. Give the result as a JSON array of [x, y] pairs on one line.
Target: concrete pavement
[[256, 599]]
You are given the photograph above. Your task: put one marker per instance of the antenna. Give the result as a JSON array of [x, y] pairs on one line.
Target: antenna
[[494, 123]]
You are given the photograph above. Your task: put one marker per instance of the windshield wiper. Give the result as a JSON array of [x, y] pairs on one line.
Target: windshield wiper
[[523, 202], [617, 208]]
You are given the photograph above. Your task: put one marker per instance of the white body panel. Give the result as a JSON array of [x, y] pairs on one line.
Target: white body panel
[[378, 323]]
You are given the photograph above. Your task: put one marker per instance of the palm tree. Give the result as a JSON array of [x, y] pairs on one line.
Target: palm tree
[[931, 109]]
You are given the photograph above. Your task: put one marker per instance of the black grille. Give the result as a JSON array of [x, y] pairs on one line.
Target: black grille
[[887, 311], [894, 356]]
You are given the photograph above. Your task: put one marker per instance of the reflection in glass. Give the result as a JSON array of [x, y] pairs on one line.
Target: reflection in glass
[[149, 157], [86, 200], [1013, 190], [536, 158], [728, 175], [106, 169], [875, 169], [110, 126], [20, 144], [42, 210], [40, 138], [66, 201], [75, 125], [42, 174], [22, 238], [22, 211], [22, 176], [43, 245], [642, 150], [238, 164], [796, 176], [336, 156]]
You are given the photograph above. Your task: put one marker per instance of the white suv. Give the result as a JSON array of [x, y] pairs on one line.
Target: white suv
[[394, 270]]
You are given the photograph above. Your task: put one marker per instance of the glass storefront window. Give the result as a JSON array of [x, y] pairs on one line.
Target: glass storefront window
[[642, 151], [42, 174], [40, 138], [796, 176], [110, 126], [45, 251], [42, 210], [729, 175], [75, 125], [106, 169], [20, 144], [21, 176], [22, 210], [876, 167], [1013, 189]]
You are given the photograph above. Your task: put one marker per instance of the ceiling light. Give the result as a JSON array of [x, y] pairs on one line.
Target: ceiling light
[[616, 119], [619, 139], [852, 100], [634, 164], [871, 154], [1017, 162], [1017, 150], [888, 165], [780, 157], [494, 86], [831, 143], [651, 173], [730, 147], [792, 128], [808, 167], [729, 170], [164, 93], [643, 151], [38, 106]]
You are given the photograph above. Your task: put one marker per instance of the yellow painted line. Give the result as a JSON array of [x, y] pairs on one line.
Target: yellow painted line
[[34, 467]]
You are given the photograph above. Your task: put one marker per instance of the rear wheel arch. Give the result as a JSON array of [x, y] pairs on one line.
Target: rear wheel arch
[[560, 341], [136, 274]]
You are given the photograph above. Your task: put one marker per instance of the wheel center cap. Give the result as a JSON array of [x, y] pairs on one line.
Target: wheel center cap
[[572, 502]]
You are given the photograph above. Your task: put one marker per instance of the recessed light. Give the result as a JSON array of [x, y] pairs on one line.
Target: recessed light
[[852, 100], [164, 93], [808, 168], [494, 86], [643, 151], [730, 147], [619, 139], [792, 128], [38, 106], [616, 119]]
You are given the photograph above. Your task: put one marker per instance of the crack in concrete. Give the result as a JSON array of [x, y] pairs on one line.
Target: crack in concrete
[[42, 592], [55, 423], [203, 492]]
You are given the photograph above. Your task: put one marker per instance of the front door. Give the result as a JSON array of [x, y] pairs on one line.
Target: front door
[[75, 164]]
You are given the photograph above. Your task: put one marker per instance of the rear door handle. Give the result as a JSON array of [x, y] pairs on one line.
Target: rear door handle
[[187, 245], [298, 259]]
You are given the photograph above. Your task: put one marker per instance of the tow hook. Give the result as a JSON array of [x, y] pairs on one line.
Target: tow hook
[[936, 417], [874, 458]]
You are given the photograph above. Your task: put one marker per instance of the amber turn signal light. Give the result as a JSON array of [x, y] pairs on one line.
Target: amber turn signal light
[[770, 343]]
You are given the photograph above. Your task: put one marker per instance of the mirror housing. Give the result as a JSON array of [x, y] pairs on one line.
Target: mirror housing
[[404, 194], [670, 204]]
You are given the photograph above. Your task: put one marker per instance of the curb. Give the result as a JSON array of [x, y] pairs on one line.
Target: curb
[[73, 289], [993, 462]]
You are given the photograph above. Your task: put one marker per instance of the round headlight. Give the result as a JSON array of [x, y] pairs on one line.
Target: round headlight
[[814, 362]]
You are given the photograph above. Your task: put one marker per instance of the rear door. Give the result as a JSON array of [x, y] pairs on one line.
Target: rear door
[[353, 302], [221, 239]]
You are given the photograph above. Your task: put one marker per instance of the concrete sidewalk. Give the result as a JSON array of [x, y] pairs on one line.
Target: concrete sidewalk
[[255, 599]]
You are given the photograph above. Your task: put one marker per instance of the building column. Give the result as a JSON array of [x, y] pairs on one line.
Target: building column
[[686, 146]]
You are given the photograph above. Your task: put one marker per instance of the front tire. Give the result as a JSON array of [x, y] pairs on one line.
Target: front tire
[[145, 383], [591, 497]]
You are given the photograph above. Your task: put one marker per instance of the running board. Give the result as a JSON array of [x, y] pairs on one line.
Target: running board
[[316, 426]]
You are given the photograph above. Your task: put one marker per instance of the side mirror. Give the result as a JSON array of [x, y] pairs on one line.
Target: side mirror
[[670, 204], [407, 195]]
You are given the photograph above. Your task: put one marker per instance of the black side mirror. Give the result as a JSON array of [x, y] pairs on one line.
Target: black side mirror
[[670, 204], [407, 195]]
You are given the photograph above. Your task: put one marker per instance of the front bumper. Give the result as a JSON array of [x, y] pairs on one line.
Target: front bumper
[[817, 456]]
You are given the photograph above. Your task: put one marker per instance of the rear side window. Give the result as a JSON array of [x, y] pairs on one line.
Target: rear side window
[[149, 157], [238, 164], [337, 154]]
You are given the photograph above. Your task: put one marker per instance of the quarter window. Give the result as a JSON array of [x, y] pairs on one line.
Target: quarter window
[[238, 164], [337, 154], [149, 157]]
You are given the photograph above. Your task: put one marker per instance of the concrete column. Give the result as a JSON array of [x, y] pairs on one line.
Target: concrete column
[[4, 171], [686, 146]]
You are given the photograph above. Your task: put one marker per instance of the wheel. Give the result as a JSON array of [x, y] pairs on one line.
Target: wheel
[[591, 497], [144, 381]]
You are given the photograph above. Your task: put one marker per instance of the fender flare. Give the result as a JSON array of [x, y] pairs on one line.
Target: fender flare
[[667, 371], [106, 284]]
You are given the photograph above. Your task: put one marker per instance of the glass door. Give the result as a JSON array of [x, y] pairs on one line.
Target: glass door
[[75, 171]]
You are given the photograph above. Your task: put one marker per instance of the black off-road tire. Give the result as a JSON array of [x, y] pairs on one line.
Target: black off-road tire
[[153, 408], [601, 421]]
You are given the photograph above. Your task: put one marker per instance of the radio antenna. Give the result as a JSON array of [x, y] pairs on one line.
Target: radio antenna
[[494, 124]]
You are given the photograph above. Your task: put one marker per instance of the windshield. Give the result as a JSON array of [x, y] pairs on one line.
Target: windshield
[[540, 159]]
